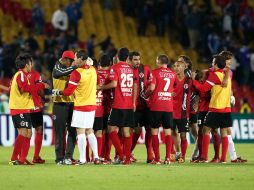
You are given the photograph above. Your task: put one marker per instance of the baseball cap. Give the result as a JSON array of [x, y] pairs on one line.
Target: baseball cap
[[68, 54]]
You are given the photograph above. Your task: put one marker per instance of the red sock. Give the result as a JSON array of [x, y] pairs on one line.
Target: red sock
[[116, 142], [24, 149], [135, 138], [37, 144], [127, 147], [99, 141], [216, 145], [17, 147], [87, 151], [184, 145], [168, 142], [205, 146], [149, 146], [108, 144], [200, 139], [224, 148], [156, 148]]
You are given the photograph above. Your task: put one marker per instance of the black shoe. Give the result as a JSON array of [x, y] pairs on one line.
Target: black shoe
[[60, 163]]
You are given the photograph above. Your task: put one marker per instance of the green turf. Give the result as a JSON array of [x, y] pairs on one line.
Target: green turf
[[137, 176]]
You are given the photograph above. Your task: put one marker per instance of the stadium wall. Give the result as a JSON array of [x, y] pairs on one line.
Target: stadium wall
[[242, 131]]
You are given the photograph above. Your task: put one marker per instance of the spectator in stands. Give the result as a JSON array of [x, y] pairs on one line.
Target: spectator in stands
[[244, 57], [49, 43], [214, 42], [4, 104], [31, 43], [108, 4], [111, 51], [60, 20], [227, 22], [62, 42], [144, 14], [90, 45], [245, 108], [38, 18], [105, 43], [74, 14], [192, 22], [246, 25], [252, 69]]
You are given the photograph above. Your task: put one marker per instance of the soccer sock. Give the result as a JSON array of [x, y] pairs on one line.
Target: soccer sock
[[24, 149], [148, 142], [231, 148], [82, 147], [224, 148], [93, 144], [100, 144], [37, 144], [184, 145], [205, 146], [108, 144], [17, 147], [168, 142], [87, 151], [156, 150], [127, 147], [173, 151], [135, 138], [200, 139], [116, 142], [216, 145]]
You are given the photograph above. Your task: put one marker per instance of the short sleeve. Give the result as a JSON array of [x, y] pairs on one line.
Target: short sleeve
[[74, 78], [213, 79], [152, 78], [113, 74]]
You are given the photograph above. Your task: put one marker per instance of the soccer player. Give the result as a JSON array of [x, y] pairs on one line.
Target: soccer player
[[21, 104], [141, 114], [219, 115], [34, 78], [103, 78], [181, 113], [83, 82], [122, 115], [160, 92], [62, 110]]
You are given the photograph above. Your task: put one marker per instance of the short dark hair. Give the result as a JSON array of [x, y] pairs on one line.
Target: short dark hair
[[105, 60], [22, 60], [82, 54], [186, 60], [132, 54], [123, 54], [226, 54], [163, 59], [220, 61]]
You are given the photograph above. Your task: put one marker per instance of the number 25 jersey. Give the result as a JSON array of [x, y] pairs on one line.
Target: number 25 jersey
[[122, 72], [162, 98]]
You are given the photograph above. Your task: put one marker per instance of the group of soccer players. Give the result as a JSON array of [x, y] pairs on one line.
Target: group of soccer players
[[110, 103]]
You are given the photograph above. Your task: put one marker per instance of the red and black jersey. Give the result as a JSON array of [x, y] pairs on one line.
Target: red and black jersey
[[162, 99], [122, 72], [179, 106]]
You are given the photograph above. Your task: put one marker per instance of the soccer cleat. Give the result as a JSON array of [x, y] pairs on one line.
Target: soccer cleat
[[28, 163], [60, 163], [148, 161], [181, 160], [177, 156], [239, 160], [97, 161], [67, 161], [154, 162], [223, 161], [107, 162], [13, 162], [38, 160], [215, 160], [73, 161], [202, 160], [194, 160], [167, 161], [80, 163], [126, 162], [133, 159]]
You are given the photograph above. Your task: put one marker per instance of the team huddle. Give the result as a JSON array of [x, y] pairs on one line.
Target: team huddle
[[97, 106]]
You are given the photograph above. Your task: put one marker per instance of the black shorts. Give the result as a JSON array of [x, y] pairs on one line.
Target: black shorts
[[37, 119], [22, 121], [141, 118], [98, 124], [158, 118], [201, 118], [182, 125], [193, 118], [121, 118], [105, 122], [218, 120]]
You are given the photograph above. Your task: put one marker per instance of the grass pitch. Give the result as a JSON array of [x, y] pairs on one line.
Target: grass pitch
[[137, 176]]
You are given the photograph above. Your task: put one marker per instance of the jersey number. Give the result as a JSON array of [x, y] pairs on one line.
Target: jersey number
[[127, 80], [167, 84]]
